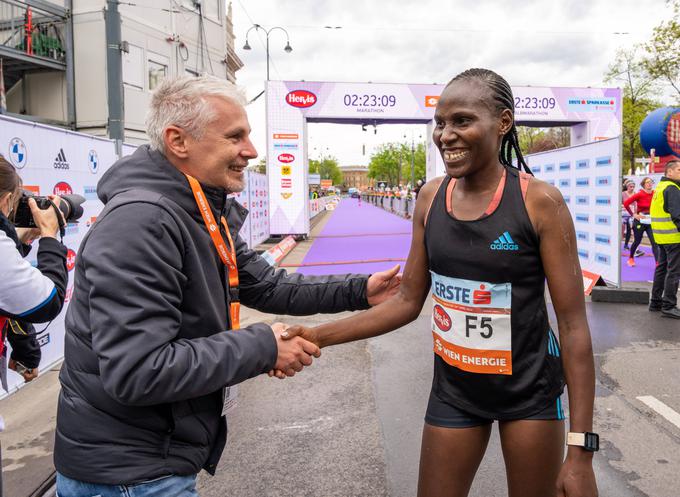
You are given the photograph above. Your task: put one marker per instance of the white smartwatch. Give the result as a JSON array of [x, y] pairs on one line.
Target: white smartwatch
[[588, 441]]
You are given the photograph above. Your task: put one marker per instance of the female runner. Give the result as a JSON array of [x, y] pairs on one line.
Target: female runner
[[642, 224], [485, 238]]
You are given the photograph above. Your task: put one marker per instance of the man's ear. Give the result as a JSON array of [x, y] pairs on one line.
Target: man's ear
[[175, 140]]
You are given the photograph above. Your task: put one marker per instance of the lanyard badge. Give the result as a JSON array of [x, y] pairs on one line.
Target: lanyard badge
[[227, 254]]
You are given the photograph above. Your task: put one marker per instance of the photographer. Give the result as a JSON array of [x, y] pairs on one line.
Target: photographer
[[27, 294]]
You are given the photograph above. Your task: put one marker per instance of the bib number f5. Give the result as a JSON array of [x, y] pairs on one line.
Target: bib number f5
[[471, 324]]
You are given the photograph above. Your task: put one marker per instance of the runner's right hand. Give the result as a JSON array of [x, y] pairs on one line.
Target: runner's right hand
[[293, 352]]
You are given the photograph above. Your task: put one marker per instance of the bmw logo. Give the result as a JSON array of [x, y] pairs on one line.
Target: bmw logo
[[17, 153], [93, 161]]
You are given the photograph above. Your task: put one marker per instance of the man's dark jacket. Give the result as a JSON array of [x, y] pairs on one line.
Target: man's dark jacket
[[146, 350]]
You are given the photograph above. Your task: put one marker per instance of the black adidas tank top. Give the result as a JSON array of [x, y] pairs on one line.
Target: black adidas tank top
[[495, 354]]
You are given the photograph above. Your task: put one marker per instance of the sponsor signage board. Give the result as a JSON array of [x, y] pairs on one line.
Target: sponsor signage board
[[594, 193]]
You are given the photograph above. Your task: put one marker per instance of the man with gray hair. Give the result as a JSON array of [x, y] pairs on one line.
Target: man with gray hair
[[158, 282]]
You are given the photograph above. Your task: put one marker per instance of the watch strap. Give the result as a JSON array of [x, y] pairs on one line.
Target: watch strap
[[578, 439]]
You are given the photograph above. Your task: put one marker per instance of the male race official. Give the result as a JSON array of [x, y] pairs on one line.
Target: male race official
[[158, 281], [665, 213]]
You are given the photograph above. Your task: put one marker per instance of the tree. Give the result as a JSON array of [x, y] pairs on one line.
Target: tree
[[260, 167], [391, 164], [663, 50], [534, 140], [384, 164], [327, 168], [639, 88], [418, 162]]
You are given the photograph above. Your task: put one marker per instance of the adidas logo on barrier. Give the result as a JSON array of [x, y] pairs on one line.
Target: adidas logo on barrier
[[504, 242], [60, 161]]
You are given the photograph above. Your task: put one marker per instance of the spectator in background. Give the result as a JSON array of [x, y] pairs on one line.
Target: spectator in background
[[642, 223], [416, 190], [626, 218], [665, 212]]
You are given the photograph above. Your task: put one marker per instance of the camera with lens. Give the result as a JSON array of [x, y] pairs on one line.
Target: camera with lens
[[70, 206]]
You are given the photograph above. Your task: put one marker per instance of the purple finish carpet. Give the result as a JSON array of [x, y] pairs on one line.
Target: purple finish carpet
[[359, 233], [365, 232], [644, 265]]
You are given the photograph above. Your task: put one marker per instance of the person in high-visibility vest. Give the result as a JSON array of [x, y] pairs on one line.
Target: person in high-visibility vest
[[665, 214]]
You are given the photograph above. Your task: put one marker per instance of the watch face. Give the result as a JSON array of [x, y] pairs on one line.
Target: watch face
[[592, 441]]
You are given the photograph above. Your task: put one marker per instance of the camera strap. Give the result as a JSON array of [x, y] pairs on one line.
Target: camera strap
[[60, 219], [3, 321], [227, 254]]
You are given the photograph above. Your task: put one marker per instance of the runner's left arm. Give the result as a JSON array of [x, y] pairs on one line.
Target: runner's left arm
[[555, 229]]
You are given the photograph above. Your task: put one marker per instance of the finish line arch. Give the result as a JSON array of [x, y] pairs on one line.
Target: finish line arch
[[592, 113]]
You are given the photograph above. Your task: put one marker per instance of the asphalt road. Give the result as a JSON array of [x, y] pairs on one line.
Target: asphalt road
[[351, 425]]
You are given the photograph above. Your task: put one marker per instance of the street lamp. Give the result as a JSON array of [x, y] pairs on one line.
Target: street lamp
[[413, 153], [287, 48]]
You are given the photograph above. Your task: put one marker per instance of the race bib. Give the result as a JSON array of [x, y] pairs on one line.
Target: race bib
[[471, 324]]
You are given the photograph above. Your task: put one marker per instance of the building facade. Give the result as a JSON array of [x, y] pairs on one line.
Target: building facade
[[355, 177], [158, 39]]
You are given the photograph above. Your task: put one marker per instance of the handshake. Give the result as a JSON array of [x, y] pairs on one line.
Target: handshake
[[297, 345], [294, 351]]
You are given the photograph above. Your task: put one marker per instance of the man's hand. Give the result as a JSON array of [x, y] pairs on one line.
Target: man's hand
[[293, 353], [381, 286], [29, 374]]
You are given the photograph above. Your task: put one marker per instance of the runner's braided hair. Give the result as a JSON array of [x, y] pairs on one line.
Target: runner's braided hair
[[502, 94]]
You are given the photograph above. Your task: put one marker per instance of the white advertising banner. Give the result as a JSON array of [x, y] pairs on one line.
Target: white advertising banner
[[56, 161], [258, 205], [255, 198], [594, 113], [589, 177]]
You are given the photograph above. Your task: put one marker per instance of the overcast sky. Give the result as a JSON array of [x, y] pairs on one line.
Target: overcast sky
[[529, 42]]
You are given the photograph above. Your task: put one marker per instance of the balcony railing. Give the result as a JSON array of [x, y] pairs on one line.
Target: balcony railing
[[35, 29]]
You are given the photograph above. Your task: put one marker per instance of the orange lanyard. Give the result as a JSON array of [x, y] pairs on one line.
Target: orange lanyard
[[227, 254]]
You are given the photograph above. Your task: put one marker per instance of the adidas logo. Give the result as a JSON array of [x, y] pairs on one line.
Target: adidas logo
[[60, 161], [504, 242]]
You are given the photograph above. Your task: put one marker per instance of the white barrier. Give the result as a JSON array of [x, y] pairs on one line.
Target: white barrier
[[318, 205], [53, 160], [589, 177], [255, 198]]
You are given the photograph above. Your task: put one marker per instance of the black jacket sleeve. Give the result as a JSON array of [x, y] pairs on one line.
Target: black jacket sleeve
[[51, 263], [671, 198], [275, 291], [133, 261], [25, 346]]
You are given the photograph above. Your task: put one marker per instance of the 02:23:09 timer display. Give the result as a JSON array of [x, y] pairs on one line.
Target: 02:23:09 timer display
[[370, 100], [535, 103]]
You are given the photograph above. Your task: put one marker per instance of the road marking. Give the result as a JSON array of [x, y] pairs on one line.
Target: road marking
[[661, 408]]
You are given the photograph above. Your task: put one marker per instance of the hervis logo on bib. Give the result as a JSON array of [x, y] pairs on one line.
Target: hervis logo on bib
[[504, 242]]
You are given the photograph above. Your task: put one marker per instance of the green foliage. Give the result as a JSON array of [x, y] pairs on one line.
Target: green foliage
[[261, 166], [392, 163], [663, 50], [328, 168], [533, 140], [633, 115], [639, 90]]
